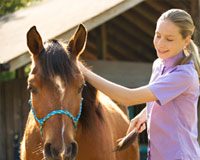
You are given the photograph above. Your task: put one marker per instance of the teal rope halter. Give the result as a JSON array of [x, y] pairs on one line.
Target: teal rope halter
[[41, 121]]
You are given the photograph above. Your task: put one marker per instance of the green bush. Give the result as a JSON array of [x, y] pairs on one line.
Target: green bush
[[8, 6], [5, 76]]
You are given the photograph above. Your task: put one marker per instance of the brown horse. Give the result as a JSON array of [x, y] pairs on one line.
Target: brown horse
[[59, 98]]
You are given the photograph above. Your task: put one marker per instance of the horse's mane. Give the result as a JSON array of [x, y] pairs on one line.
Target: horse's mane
[[92, 108], [55, 61]]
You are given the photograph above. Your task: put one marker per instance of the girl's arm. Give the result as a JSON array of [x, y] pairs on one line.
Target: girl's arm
[[121, 94]]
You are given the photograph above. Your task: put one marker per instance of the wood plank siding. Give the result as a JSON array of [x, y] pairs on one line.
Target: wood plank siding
[[13, 115]]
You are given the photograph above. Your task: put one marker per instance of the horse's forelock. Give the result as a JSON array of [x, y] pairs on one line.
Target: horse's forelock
[[55, 61]]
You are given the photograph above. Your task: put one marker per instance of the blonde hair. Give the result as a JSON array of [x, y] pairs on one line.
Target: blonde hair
[[184, 21]]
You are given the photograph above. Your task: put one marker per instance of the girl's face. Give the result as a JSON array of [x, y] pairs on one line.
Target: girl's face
[[168, 41]]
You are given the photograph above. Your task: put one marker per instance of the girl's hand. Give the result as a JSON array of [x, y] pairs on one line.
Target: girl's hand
[[138, 123]]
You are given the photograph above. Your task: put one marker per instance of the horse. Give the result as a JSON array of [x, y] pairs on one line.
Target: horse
[[69, 119]]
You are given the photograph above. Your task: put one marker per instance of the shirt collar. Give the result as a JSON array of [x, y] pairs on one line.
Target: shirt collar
[[170, 62]]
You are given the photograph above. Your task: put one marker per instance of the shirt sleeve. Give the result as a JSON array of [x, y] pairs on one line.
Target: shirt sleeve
[[170, 86]]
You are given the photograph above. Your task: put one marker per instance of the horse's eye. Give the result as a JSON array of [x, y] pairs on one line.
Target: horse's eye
[[32, 89], [81, 89]]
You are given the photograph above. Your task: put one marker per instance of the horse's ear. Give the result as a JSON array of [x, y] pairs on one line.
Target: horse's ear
[[34, 41], [77, 42]]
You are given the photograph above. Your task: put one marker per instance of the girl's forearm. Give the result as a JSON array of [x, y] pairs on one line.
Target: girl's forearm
[[121, 94]]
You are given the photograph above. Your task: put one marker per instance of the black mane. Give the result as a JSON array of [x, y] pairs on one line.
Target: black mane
[[91, 107], [55, 61]]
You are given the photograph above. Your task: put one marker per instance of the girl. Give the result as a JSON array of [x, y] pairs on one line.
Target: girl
[[171, 95]]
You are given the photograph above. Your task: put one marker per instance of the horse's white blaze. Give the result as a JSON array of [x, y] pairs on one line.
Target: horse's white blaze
[[63, 142], [61, 87]]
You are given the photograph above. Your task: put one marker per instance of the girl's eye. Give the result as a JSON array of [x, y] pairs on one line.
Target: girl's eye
[[170, 40], [158, 36], [81, 89], [32, 89]]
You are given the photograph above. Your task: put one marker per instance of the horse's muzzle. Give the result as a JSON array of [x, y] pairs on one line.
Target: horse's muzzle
[[69, 153]]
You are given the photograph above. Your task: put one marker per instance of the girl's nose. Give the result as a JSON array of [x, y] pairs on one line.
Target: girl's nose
[[160, 44]]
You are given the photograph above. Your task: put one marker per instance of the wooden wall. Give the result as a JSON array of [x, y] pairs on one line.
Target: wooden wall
[[13, 114]]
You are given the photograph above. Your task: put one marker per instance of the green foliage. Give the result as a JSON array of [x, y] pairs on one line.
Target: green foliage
[[5, 76], [8, 6], [27, 69]]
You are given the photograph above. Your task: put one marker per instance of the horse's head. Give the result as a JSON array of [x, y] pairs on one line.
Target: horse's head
[[56, 83]]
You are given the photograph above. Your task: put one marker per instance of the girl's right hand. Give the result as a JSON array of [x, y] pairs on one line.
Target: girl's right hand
[[136, 126], [138, 122]]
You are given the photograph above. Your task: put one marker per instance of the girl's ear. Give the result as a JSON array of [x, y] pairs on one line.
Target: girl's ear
[[77, 42], [34, 41], [187, 41]]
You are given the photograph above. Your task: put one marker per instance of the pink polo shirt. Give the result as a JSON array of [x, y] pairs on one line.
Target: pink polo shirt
[[172, 120]]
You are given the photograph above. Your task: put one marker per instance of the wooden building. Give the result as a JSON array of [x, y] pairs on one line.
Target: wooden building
[[119, 48]]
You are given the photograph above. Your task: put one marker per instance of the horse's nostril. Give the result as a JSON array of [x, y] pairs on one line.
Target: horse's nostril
[[47, 150], [71, 150], [50, 151]]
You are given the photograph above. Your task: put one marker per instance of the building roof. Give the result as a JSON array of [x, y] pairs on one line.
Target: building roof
[[53, 18]]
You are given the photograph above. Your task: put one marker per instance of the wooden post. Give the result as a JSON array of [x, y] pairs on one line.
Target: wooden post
[[20, 73], [102, 42], [195, 13], [3, 137]]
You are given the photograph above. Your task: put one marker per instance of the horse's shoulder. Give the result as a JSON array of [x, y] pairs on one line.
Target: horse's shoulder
[[111, 107]]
